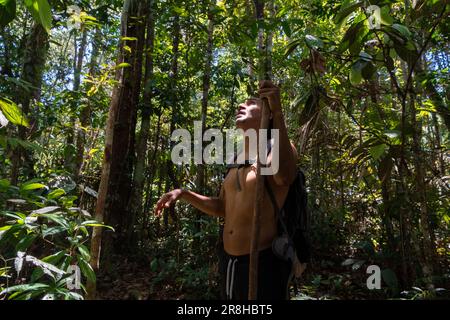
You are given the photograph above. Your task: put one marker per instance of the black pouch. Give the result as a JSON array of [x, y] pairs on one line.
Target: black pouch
[[283, 248]]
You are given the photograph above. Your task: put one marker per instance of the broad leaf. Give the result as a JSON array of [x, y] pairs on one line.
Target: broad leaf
[[377, 151], [12, 112], [7, 12], [41, 12], [87, 270]]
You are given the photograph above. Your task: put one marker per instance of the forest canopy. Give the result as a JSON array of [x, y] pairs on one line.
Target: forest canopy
[[91, 91]]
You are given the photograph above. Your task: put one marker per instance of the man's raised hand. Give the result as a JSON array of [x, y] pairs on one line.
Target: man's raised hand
[[270, 91]]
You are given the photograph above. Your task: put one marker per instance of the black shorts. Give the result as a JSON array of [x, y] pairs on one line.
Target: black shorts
[[274, 275]]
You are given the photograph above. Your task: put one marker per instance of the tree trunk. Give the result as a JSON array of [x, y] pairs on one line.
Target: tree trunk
[[428, 248], [171, 180], [263, 73], [141, 149], [70, 155], [34, 57], [115, 184], [86, 109]]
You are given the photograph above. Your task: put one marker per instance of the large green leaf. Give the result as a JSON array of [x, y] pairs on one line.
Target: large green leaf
[[25, 242], [56, 194], [41, 12], [87, 270], [377, 151], [32, 186], [12, 112], [403, 30], [25, 287], [386, 18], [84, 252], [52, 259], [356, 72], [346, 10], [7, 12]]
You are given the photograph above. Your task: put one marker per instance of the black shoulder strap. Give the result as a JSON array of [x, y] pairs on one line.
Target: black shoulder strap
[[276, 209]]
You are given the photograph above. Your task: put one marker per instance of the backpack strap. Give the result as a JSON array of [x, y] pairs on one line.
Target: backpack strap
[[245, 164], [276, 209]]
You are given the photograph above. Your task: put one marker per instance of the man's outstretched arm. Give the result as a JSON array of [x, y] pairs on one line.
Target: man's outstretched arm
[[213, 206]]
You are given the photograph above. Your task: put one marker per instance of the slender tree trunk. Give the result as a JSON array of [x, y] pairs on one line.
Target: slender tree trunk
[[115, 184], [201, 175], [171, 180], [141, 149], [263, 73], [205, 96], [70, 155], [86, 109], [34, 57], [153, 169], [428, 248]]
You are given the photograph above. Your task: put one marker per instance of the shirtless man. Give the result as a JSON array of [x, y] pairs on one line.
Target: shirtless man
[[236, 206]]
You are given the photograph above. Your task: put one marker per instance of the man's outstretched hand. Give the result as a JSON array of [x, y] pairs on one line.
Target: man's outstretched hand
[[270, 91], [166, 200]]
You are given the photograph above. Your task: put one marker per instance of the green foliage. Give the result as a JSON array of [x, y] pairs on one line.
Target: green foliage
[[7, 11], [372, 137], [12, 112], [42, 238], [41, 12]]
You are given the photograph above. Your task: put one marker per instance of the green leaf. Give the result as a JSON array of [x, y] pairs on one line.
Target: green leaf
[[386, 19], [84, 252], [52, 231], [31, 186], [57, 218], [403, 30], [87, 270], [56, 194], [4, 183], [123, 65], [377, 151], [25, 242], [313, 42], [346, 10], [350, 36], [356, 73], [12, 112], [94, 223], [45, 210], [41, 12], [25, 287], [368, 70], [7, 12], [53, 259]]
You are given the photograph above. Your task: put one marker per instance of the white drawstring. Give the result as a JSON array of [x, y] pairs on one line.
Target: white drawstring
[[230, 282]]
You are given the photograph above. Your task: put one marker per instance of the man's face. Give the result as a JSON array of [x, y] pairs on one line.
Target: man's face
[[248, 114]]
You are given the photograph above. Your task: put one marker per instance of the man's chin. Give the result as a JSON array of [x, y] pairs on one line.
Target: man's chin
[[239, 123]]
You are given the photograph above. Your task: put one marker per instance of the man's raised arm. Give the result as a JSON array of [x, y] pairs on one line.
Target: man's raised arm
[[287, 152]]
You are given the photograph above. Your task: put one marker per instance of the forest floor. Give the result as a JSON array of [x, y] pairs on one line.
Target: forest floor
[[135, 280]]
